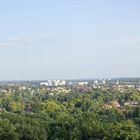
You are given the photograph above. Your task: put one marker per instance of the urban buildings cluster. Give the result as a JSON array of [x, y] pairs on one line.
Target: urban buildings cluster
[[54, 83]]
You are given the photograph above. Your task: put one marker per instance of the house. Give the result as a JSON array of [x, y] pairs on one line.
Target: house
[[132, 104]]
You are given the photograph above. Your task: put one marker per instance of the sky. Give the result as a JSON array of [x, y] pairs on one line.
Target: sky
[[69, 39]]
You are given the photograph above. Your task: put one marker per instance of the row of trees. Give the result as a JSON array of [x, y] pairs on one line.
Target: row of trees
[[75, 116]]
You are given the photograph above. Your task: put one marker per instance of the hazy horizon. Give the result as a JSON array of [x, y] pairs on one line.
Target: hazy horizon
[[75, 39]]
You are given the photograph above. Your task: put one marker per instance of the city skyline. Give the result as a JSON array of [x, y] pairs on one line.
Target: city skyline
[[61, 39]]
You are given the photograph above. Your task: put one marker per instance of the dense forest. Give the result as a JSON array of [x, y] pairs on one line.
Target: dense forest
[[95, 115]]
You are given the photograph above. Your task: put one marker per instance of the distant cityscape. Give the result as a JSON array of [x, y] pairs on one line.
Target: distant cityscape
[[66, 86]]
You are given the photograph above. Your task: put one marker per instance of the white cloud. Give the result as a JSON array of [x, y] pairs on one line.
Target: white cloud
[[28, 41]]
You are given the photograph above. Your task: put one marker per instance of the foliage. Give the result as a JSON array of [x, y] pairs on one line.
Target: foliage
[[74, 116]]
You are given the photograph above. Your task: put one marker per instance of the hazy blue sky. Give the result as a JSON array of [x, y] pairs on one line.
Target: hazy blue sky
[[43, 39]]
